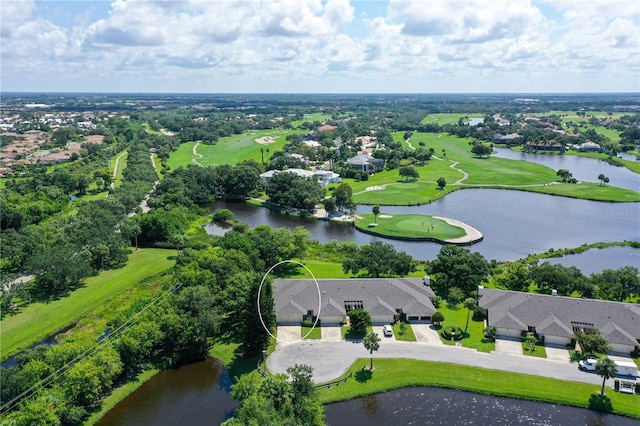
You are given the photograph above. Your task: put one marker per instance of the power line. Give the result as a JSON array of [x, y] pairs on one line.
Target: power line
[[108, 339]]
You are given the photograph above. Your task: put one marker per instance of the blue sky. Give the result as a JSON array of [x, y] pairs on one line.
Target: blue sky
[[310, 46]]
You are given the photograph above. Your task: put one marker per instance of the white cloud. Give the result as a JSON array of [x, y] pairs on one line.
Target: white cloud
[[294, 44]]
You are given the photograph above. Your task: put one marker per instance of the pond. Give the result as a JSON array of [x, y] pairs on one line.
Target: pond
[[433, 406], [198, 394], [514, 223]]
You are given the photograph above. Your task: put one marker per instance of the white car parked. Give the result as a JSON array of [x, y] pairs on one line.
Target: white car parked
[[588, 364], [387, 330]]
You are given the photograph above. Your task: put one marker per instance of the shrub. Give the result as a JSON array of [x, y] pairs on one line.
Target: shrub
[[437, 317], [223, 215], [452, 333], [479, 313], [307, 322], [490, 333], [437, 301]]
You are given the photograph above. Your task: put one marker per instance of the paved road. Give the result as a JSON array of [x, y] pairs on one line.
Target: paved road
[[331, 360]]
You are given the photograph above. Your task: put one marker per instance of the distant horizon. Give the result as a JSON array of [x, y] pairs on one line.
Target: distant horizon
[[320, 46], [44, 92]]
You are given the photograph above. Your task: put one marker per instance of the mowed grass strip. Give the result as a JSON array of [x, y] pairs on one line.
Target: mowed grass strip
[[390, 374], [409, 226], [309, 333], [39, 320]]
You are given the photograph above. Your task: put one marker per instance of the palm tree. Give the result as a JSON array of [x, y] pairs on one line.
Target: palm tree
[[606, 369], [470, 304], [262, 154], [376, 211], [371, 342], [600, 178]]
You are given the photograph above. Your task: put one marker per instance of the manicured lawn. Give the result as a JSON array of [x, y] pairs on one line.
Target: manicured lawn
[[323, 269], [408, 332], [229, 150], [539, 352], [474, 337], [482, 172], [316, 116], [409, 226], [38, 320], [443, 118], [315, 333], [347, 334], [392, 374]]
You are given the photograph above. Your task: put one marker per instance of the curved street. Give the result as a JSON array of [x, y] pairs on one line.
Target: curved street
[[331, 359]]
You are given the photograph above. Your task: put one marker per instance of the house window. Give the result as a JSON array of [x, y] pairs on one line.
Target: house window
[[350, 305], [581, 326], [531, 329], [310, 312]]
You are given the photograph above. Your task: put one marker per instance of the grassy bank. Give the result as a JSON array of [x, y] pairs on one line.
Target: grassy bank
[[409, 226], [38, 320], [392, 374]]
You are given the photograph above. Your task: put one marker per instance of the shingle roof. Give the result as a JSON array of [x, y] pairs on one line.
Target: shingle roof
[[553, 315], [379, 296]]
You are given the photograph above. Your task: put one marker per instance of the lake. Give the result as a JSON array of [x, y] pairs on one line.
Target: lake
[[514, 223]]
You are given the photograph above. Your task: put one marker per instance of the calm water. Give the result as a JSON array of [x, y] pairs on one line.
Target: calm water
[[198, 394], [195, 394], [420, 406], [583, 168], [591, 261], [514, 223]]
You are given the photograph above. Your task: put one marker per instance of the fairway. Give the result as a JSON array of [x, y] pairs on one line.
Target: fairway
[[441, 118], [231, 149], [454, 161], [409, 226], [39, 320]]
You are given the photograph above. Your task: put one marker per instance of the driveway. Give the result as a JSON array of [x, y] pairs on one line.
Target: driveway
[[557, 353], [331, 334], [288, 334], [425, 334], [330, 360], [509, 347], [378, 330]]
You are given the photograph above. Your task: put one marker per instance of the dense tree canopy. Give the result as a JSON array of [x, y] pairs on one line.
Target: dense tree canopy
[[458, 267], [378, 259]]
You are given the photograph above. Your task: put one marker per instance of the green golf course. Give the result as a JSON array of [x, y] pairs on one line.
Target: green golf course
[[409, 227]]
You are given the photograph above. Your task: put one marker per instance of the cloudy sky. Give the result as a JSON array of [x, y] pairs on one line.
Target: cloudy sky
[[314, 46]]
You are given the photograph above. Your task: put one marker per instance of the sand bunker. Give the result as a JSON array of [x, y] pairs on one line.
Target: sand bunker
[[385, 216], [266, 140], [375, 188]]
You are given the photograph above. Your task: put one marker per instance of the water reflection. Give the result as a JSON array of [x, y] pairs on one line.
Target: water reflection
[[583, 168], [419, 406], [514, 223]]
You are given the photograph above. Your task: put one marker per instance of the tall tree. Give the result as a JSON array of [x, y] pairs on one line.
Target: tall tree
[[376, 211], [606, 369], [343, 196], [592, 341], [359, 320], [441, 182], [617, 284], [409, 172], [379, 258], [458, 267], [371, 342], [469, 304]]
